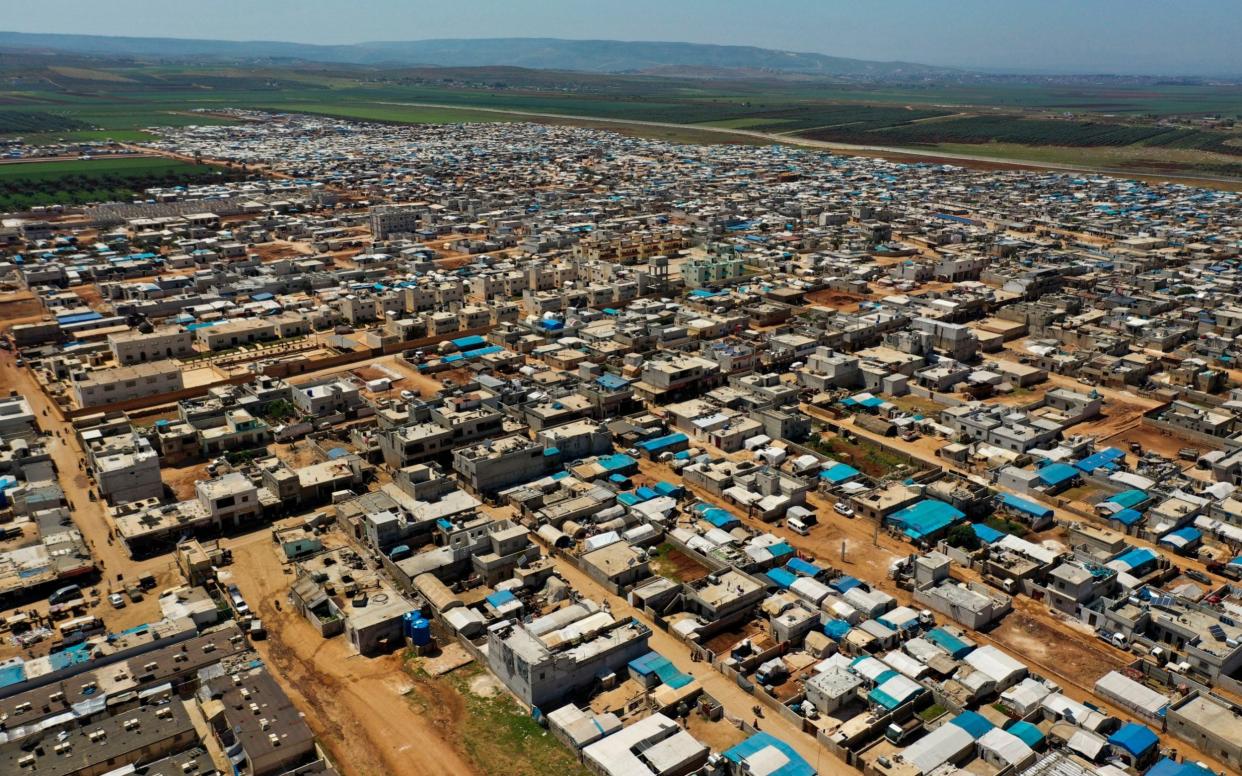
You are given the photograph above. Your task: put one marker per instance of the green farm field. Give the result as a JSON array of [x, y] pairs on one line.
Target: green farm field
[[1152, 128], [80, 181]]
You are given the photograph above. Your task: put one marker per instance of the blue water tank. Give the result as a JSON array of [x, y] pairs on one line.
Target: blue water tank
[[420, 632]]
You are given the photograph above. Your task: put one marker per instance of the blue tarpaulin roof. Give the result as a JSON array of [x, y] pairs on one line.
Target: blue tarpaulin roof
[[12, 673], [893, 689], [611, 382], [800, 566], [1128, 498], [1136, 558], [655, 663], [630, 499], [1128, 516], [1102, 458], [501, 597], [986, 533], [1057, 473], [838, 472], [844, 583], [1134, 738], [486, 350], [781, 577], [469, 342], [1167, 767], [948, 642], [779, 549], [758, 748], [1026, 506], [972, 722], [659, 443], [721, 518], [78, 318], [616, 462], [668, 489], [1030, 735], [1182, 537], [837, 629], [926, 518]]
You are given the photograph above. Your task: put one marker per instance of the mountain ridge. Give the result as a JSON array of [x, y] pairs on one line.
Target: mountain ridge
[[593, 56]]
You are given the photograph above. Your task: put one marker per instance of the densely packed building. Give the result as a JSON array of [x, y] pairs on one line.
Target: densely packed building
[[597, 407]]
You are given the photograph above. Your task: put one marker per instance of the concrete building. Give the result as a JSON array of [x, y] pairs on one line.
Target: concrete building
[[652, 746], [136, 347], [235, 333], [326, 397], [1210, 725], [492, 466], [542, 668], [125, 383], [126, 466]]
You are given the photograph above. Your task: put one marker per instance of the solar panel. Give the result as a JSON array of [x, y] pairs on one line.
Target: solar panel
[[1167, 601], [1217, 632]]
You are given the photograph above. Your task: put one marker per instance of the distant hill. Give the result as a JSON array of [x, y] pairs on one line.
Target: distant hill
[[596, 56]]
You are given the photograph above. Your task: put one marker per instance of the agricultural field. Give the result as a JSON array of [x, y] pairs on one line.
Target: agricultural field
[[1034, 132], [81, 181], [1110, 125], [14, 121]]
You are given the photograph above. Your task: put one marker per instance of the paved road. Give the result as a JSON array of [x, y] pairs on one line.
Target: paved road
[[846, 148]]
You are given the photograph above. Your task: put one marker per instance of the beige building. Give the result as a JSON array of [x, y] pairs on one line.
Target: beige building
[[231, 334], [124, 383], [136, 347]]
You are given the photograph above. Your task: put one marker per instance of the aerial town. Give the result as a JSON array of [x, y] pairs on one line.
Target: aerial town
[[591, 453]]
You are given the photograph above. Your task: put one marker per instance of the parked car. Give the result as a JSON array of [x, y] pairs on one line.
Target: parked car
[[117, 600], [842, 508], [1199, 576]]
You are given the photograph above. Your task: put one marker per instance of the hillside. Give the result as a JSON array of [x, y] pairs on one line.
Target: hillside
[[597, 56]]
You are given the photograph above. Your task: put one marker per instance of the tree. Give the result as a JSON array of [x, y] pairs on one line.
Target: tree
[[963, 537], [281, 410]]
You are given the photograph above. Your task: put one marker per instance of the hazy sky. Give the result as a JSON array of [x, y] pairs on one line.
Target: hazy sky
[[1116, 36]]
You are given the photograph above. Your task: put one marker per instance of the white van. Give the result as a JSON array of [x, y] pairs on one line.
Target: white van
[[797, 526]]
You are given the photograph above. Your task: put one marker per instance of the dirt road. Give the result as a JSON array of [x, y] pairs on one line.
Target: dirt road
[[931, 459], [88, 515], [356, 706], [736, 701]]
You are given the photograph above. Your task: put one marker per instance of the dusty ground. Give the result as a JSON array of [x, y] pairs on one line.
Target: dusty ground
[[181, 479], [719, 735], [1115, 417], [89, 294], [21, 307], [425, 385], [88, 515], [1158, 441], [837, 300], [357, 707], [129, 616], [297, 453], [1027, 633], [678, 566]]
